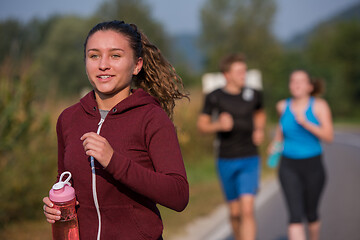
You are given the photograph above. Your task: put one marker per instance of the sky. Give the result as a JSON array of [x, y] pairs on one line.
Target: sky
[[292, 17]]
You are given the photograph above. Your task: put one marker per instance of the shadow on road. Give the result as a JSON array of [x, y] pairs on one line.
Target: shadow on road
[[280, 238]]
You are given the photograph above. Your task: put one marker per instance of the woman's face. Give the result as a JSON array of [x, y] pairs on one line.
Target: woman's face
[[110, 63], [300, 85]]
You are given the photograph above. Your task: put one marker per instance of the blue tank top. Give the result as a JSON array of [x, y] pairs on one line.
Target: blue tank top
[[299, 143]]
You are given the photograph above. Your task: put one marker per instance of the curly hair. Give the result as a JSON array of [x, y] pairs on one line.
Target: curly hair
[[157, 76]]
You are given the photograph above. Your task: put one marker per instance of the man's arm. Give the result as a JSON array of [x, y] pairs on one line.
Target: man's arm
[[259, 126], [224, 123]]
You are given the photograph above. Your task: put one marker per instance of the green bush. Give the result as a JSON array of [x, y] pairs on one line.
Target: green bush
[[27, 150]]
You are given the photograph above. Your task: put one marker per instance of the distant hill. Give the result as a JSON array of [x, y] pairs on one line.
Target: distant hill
[[300, 40]]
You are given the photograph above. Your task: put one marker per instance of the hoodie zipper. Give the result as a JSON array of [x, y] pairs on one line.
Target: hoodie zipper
[[93, 177]]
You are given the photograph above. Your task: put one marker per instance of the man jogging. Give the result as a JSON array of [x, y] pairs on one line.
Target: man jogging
[[236, 114]]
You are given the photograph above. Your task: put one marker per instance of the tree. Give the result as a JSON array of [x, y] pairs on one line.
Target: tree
[[60, 61], [338, 60], [139, 13], [230, 26], [10, 31], [20, 41]]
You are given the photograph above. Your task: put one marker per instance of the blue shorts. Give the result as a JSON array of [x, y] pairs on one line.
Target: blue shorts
[[239, 176]]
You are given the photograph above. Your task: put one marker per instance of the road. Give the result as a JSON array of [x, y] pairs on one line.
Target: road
[[339, 209]]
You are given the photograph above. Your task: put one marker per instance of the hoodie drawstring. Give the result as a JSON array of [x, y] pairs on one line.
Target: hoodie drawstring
[[92, 162]]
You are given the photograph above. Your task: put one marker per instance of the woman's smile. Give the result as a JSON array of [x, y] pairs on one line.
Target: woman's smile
[[104, 78]]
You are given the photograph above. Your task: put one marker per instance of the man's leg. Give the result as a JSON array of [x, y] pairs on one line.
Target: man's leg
[[247, 219], [228, 173], [234, 207], [240, 178], [248, 183]]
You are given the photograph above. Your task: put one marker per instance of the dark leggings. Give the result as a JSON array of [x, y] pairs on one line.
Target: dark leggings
[[302, 182]]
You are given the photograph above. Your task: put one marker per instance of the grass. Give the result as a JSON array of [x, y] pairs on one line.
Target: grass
[[27, 230]]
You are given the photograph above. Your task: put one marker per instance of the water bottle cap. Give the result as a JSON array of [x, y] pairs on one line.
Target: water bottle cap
[[62, 190]]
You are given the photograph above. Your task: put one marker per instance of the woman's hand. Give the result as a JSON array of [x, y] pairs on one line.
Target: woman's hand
[[51, 213], [301, 118], [270, 149], [98, 147]]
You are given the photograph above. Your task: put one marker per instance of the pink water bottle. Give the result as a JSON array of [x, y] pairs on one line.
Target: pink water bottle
[[63, 197]]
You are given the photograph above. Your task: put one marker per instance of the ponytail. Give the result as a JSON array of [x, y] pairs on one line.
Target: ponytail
[[159, 78], [318, 85]]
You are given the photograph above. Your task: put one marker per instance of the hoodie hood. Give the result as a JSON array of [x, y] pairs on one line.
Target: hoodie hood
[[138, 98]]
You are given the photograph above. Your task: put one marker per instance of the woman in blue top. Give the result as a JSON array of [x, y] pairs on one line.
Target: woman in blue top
[[305, 120]]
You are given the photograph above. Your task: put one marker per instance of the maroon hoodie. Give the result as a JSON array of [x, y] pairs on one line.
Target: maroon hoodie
[[145, 169]]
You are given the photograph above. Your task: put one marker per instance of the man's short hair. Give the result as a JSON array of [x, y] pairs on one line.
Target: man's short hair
[[228, 60]]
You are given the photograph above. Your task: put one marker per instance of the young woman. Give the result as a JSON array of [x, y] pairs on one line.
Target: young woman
[[305, 121], [129, 133]]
